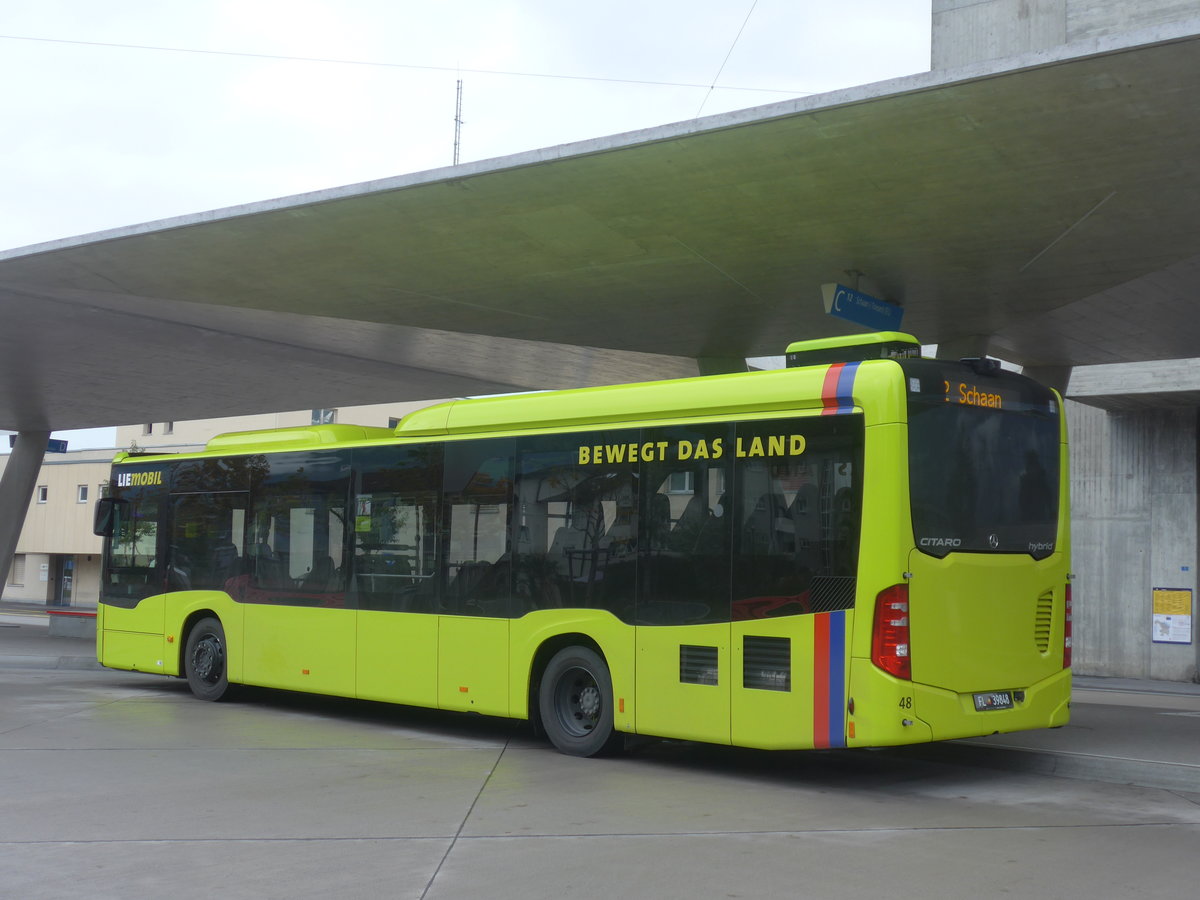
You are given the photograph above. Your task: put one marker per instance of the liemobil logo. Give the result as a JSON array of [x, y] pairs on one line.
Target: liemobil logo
[[138, 479], [994, 541], [940, 542], [1041, 545]]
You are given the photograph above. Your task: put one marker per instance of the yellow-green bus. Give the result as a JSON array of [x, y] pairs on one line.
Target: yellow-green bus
[[865, 548]]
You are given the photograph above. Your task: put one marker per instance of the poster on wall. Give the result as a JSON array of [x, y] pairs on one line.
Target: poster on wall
[[1172, 616]]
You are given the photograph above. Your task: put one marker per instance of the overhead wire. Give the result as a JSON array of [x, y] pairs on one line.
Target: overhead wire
[[412, 66], [717, 77]]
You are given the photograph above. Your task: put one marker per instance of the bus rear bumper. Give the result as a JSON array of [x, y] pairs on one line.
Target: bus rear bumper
[[1044, 704]]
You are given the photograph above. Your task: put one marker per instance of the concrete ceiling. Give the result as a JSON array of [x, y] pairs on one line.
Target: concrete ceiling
[[1044, 205]]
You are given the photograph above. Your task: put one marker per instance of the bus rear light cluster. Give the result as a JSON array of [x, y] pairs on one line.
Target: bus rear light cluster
[[890, 635], [1067, 629]]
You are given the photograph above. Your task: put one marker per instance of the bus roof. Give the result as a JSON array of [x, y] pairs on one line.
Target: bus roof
[[749, 394]]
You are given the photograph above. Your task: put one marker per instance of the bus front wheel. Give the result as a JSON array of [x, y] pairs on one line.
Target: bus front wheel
[[205, 660], [576, 703]]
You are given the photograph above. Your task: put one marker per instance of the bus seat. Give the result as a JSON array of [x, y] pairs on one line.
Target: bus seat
[[224, 563], [321, 577], [269, 571], [658, 528]]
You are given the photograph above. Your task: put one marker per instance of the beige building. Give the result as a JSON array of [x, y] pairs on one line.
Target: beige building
[[58, 558], [57, 561]]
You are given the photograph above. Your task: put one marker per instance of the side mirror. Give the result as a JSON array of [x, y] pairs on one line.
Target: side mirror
[[106, 515]]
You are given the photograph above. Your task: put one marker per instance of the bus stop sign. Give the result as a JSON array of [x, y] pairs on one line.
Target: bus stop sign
[[52, 446], [861, 309]]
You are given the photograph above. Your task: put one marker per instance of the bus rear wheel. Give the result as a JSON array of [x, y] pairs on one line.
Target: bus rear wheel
[[576, 703], [205, 660]]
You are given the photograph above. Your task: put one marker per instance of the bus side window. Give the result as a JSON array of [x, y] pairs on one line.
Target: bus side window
[[797, 516], [477, 501], [296, 534], [576, 522], [395, 541], [395, 527], [684, 561], [133, 570], [207, 538]]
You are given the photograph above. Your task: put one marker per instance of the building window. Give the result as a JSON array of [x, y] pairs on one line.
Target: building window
[[16, 576], [148, 428], [43, 493], [168, 427], [82, 494], [393, 423], [680, 483], [324, 416]]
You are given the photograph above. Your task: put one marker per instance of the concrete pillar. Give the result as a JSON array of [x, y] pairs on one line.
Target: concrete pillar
[[968, 31], [1133, 529], [16, 490]]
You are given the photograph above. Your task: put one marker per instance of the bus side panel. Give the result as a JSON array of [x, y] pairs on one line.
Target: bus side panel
[[794, 702], [182, 606], [299, 648], [883, 706], [667, 706], [100, 608], [397, 657], [886, 536], [884, 709], [132, 638], [472, 664], [614, 638]]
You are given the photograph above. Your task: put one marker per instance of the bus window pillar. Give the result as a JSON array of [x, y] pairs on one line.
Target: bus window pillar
[[16, 490]]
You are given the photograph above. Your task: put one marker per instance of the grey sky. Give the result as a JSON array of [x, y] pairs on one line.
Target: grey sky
[[98, 137]]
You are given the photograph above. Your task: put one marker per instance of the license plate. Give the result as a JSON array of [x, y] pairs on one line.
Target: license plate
[[993, 700]]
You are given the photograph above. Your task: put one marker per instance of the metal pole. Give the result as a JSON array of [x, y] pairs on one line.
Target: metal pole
[[457, 121]]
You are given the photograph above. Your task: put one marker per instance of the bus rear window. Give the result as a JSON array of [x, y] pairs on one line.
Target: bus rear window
[[983, 461]]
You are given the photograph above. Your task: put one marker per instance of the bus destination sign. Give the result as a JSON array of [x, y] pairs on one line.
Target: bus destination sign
[[970, 394]]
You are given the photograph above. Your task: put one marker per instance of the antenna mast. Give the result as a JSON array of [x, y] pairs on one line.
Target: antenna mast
[[457, 121]]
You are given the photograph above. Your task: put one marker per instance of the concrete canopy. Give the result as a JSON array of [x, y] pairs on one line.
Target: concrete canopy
[[1043, 206]]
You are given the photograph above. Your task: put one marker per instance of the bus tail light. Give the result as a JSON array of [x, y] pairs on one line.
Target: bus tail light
[[889, 637], [1067, 629]]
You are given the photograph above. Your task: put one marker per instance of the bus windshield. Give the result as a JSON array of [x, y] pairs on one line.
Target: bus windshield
[[983, 461]]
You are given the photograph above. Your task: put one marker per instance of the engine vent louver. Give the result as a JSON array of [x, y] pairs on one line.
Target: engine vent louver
[[698, 665], [1042, 621], [767, 663]]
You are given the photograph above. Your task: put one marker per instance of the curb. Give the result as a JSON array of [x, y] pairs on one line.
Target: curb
[[1063, 764], [78, 663]]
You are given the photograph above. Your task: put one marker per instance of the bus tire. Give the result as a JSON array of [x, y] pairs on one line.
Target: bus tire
[[575, 700], [206, 660]]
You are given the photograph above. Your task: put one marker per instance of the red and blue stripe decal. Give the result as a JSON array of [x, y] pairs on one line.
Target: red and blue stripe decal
[[829, 679], [837, 391]]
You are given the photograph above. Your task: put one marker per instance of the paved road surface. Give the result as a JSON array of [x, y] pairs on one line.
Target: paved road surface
[[118, 785]]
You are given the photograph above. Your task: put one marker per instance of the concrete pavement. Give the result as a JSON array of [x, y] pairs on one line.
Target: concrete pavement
[[1124, 731], [115, 785]]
